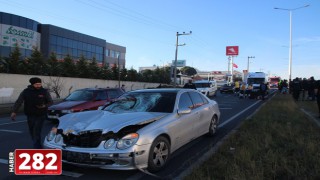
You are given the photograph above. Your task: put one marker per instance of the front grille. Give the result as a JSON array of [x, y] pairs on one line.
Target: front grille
[[79, 157], [84, 139]]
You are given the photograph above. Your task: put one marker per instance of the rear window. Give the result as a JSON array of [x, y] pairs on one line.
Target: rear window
[[80, 95], [114, 93], [202, 85]]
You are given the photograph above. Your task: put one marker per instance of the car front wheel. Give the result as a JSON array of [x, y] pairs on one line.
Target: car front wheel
[[159, 154], [213, 126]]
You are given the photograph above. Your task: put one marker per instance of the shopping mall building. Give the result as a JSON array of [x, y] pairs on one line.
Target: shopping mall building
[[27, 33]]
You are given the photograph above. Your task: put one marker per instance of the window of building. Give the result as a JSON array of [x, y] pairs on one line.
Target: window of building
[[23, 22], [53, 39], [107, 52]]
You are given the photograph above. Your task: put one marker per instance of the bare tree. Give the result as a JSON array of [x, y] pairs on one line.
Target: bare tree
[[55, 85]]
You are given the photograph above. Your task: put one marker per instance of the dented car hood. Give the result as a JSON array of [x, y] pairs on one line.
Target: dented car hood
[[105, 120]]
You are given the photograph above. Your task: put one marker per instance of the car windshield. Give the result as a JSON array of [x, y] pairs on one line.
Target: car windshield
[[81, 95], [202, 85], [143, 102], [256, 80]]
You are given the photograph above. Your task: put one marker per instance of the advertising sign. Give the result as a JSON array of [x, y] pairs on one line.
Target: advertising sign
[[180, 63], [232, 50], [13, 36]]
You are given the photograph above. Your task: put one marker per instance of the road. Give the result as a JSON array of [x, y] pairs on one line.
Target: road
[[14, 135]]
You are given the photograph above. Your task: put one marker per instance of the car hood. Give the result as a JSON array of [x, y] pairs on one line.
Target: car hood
[[105, 121], [203, 89], [65, 105]]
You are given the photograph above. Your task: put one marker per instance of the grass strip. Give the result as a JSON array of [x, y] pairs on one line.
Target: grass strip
[[278, 142]]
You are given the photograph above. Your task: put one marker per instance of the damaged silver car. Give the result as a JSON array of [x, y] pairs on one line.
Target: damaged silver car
[[139, 130]]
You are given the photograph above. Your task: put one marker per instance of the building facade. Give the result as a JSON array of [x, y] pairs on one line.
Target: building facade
[[28, 34]]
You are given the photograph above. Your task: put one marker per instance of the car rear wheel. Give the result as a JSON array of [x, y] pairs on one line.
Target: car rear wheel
[[213, 126], [159, 154]]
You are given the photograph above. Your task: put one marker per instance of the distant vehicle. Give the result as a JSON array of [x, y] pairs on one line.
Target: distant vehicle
[[83, 100], [274, 81], [227, 88], [208, 88], [255, 79], [221, 83], [139, 130]]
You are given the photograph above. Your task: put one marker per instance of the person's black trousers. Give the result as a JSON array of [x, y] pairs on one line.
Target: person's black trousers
[[35, 124]]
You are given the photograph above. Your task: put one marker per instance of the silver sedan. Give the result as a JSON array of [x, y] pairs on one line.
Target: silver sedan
[[139, 130]]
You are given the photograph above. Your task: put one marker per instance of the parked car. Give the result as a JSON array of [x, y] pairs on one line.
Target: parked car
[[83, 100], [227, 88], [141, 129], [208, 88]]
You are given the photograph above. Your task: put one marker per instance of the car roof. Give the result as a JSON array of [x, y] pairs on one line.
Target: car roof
[[173, 90], [96, 89]]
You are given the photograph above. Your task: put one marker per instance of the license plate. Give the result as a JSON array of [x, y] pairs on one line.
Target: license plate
[[75, 156]]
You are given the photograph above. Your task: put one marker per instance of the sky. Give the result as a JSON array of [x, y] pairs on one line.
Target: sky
[[147, 28]]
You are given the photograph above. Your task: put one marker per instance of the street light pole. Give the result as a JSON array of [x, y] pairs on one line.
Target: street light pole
[[249, 62], [290, 35], [176, 57], [119, 70]]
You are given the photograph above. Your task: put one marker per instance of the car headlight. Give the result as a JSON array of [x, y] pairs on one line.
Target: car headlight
[[109, 143], [51, 136], [128, 141], [67, 111], [58, 138]]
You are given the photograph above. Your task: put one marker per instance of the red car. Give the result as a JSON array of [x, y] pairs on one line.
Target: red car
[[83, 100]]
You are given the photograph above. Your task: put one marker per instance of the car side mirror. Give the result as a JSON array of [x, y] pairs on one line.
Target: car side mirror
[[184, 111]]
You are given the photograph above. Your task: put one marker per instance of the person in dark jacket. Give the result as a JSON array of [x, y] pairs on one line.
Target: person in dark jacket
[[296, 88], [36, 100], [190, 85]]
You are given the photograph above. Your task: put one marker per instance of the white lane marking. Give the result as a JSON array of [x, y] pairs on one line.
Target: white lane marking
[[5, 130], [233, 117], [4, 161], [71, 174], [14, 122]]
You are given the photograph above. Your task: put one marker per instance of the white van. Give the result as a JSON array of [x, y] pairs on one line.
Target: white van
[[208, 88]]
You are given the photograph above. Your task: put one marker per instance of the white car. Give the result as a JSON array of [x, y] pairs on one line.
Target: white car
[[208, 88], [141, 129]]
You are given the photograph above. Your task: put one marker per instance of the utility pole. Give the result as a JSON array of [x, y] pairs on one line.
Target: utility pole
[[119, 70], [249, 62], [176, 56]]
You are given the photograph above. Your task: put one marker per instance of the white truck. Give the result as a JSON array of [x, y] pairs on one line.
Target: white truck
[[255, 79], [208, 88]]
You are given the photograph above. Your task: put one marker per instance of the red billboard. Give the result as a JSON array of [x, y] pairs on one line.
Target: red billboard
[[232, 50]]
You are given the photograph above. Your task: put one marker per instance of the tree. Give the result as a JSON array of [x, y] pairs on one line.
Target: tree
[[4, 65], [13, 60], [53, 66], [132, 75], [82, 68], [68, 67], [123, 74], [36, 63], [94, 70], [115, 73], [187, 70], [54, 85]]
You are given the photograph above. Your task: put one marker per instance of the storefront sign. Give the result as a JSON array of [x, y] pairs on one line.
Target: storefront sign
[[16, 36]]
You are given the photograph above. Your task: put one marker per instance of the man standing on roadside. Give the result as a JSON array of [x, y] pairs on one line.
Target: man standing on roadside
[[189, 85], [36, 100]]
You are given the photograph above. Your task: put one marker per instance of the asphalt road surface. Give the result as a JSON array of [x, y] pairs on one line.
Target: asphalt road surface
[[15, 135]]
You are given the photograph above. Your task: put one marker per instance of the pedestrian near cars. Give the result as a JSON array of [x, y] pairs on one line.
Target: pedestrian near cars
[[123, 88], [190, 85], [311, 87], [296, 88], [36, 100], [304, 85], [263, 89]]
